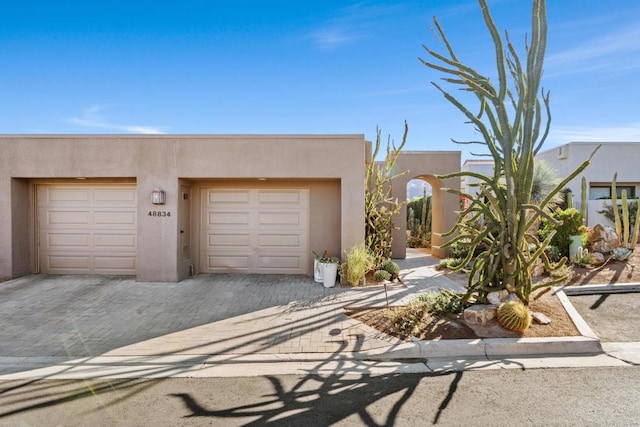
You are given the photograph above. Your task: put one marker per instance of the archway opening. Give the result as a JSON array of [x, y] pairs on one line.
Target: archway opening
[[419, 214]]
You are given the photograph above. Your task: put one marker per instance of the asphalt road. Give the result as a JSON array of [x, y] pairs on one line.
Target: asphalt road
[[586, 397], [613, 317]]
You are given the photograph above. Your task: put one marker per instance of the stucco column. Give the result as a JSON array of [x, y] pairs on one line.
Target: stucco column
[[6, 270], [157, 230]]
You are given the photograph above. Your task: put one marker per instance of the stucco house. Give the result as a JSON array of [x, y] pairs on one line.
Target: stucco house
[[163, 207], [612, 157]]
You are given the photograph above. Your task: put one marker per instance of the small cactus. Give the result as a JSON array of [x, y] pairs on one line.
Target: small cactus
[[514, 316], [392, 268], [381, 275]]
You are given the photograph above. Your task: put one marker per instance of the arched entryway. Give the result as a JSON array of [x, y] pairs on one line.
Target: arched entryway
[[427, 165]]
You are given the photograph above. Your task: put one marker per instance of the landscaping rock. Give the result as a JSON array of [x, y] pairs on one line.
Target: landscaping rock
[[598, 258], [480, 314], [603, 239], [540, 318], [497, 297]]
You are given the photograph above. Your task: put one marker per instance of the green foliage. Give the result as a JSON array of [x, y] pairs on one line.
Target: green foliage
[[460, 248], [358, 262], [419, 222], [553, 253], [406, 320], [560, 226], [380, 206], [450, 264], [629, 227], [419, 242], [444, 301], [582, 258], [513, 123], [392, 268], [381, 275], [514, 316]]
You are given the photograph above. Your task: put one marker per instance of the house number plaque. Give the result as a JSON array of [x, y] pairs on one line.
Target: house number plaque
[[159, 213]]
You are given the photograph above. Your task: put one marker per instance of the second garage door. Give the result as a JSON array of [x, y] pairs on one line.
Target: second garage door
[[255, 231]]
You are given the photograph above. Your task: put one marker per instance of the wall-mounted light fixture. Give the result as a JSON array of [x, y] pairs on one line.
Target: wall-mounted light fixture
[[157, 197]]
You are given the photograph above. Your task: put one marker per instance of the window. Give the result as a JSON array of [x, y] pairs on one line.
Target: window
[[604, 192]]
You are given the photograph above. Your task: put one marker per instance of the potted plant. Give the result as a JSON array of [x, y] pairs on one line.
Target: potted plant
[[325, 269]]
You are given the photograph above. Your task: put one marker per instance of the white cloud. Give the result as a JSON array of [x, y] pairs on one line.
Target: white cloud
[[563, 135], [616, 51], [349, 25], [92, 118]]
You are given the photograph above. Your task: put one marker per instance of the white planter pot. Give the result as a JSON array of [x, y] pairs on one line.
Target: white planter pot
[[329, 274], [575, 243], [317, 271]]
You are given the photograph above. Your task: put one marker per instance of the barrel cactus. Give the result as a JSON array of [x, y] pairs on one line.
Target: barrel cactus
[[392, 268], [514, 315]]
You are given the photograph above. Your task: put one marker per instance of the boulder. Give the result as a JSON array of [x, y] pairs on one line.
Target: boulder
[[480, 314], [598, 258], [603, 239]]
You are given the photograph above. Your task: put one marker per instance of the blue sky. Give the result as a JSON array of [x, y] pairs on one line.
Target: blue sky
[[251, 67]]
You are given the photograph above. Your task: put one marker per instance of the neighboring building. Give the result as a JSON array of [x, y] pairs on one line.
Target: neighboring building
[[612, 157], [163, 207], [468, 184]]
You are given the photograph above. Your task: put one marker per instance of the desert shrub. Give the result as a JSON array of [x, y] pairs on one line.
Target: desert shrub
[[553, 253], [406, 320], [423, 241], [460, 249], [359, 261], [392, 268], [572, 225], [607, 212], [442, 302], [449, 263], [381, 275]]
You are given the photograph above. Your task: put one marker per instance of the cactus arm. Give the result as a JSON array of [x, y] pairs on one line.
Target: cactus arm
[[625, 220], [614, 203], [636, 226], [583, 200]]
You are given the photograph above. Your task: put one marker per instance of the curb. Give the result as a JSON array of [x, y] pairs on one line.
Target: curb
[[613, 288], [586, 343]]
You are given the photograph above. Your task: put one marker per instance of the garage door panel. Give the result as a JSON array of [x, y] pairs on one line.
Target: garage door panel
[[65, 241], [65, 195], [280, 218], [272, 262], [255, 230], [54, 218], [240, 240], [68, 264], [109, 241], [115, 196], [109, 264], [275, 197], [101, 217], [223, 197], [225, 262], [86, 229], [291, 241], [228, 218]]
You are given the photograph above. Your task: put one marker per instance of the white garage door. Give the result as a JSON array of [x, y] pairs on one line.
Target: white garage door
[[87, 229], [255, 231]]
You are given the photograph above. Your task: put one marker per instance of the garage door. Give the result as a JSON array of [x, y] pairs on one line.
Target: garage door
[[87, 229], [255, 231]]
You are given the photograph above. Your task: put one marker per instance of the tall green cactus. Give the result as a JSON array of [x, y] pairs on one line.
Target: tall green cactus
[[380, 206], [583, 200], [628, 238], [514, 123]]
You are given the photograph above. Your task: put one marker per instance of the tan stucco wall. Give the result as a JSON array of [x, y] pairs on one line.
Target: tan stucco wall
[[425, 165], [166, 161]]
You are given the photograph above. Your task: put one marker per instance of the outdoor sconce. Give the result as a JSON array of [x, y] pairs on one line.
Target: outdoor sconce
[[157, 197]]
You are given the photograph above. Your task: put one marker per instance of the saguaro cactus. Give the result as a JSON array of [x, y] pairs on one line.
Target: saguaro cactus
[[514, 124]]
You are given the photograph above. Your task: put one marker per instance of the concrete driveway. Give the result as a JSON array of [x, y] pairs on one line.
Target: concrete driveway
[[83, 316]]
